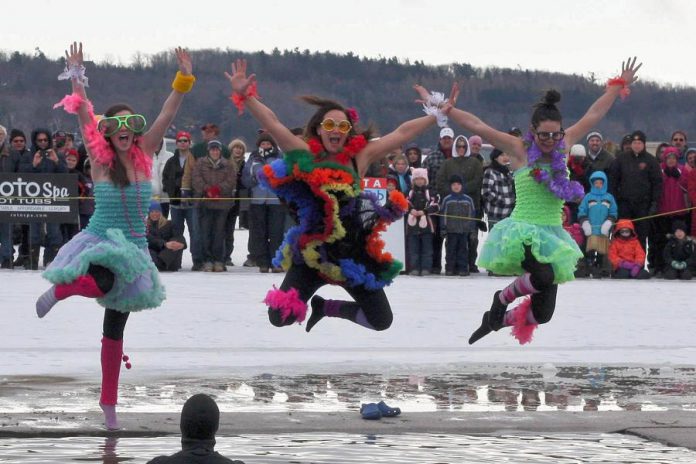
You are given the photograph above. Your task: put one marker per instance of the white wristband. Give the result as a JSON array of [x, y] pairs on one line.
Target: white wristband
[[75, 72]]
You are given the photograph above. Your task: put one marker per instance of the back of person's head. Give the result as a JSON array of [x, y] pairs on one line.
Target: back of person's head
[[200, 418]]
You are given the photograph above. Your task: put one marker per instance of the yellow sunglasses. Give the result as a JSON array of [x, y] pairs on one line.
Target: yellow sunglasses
[[343, 127]]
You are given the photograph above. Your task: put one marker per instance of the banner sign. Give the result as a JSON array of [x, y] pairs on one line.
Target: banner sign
[[27, 197]]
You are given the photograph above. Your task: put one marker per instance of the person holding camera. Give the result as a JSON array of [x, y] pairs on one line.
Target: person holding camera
[[43, 159], [266, 214]]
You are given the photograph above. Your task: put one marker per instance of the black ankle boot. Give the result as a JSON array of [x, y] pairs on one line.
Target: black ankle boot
[[317, 312], [492, 320]]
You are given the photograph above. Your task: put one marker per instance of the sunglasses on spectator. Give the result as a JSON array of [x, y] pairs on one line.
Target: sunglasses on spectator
[[112, 124], [41, 140], [343, 127], [182, 141], [544, 136], [461, 146]]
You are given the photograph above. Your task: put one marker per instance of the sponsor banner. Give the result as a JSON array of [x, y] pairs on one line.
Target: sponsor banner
[[27, 197], [394, 238]]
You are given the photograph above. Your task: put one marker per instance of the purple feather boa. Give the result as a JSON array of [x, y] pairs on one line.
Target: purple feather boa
[[557, 180]]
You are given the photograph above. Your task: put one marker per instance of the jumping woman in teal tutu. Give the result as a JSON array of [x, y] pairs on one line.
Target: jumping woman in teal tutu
[[532, 243], [109, 260]]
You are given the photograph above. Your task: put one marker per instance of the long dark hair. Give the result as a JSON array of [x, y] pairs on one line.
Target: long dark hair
[[324, 106], [117, 171], [546, 109]]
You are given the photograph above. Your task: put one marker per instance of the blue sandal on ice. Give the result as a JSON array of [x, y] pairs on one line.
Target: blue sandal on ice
[[388, 411], [370, 411]]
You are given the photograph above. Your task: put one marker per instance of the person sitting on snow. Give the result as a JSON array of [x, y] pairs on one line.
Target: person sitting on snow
[[626, 253], [679, 253]]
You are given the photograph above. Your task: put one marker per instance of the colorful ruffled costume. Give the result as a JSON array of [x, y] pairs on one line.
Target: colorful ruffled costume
[[535, 222], [115, 237], [339, 225]]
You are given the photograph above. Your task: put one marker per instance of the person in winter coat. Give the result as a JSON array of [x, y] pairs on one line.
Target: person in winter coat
[[422, 203], [471, 171], [597, 213], [691, 193], [414, 155], [635, 180], [43, 159], [213, 178], [165, 248], [679, 254], [159, 160], [575, 231], [672, 203], [599, 158], [498, 189], [176, 170], [626, 253], [9, 162], [401, 173], [200, 419], [456, 223], [237, 149], [578, 167]]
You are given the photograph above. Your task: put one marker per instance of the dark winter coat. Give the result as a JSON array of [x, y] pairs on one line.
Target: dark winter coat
[[253, 166], [680, 250], [158, 234], [9, 159], [406, 178], [422, 199], [636, 178], [434, 161], [602, 162], [171, 178], [455, 207], [469, 169]]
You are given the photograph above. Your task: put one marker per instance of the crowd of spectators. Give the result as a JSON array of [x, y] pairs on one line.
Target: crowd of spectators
[[210, 189]]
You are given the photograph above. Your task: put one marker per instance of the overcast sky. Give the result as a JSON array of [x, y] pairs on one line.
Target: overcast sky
[[580, 36]]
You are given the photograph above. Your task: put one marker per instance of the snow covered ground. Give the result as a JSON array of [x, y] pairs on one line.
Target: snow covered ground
[[215, 324]]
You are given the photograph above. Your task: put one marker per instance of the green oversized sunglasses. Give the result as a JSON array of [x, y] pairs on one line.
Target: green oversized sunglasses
[[111, 124]]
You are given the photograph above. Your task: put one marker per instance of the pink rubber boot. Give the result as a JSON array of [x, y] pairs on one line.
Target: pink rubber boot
[[111, 356], [84, 285]]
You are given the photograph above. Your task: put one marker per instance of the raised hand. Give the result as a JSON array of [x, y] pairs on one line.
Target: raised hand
[[238, 79], [422, 93], [74, 57], [184, 60], [629, 70]]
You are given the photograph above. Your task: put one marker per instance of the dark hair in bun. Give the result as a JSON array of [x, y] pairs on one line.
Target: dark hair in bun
[[546, 109]]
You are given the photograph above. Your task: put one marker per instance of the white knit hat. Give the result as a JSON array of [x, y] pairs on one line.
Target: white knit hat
[[578, 150]]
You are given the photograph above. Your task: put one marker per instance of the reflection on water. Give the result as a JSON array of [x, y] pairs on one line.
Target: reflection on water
[[464, 388], [345, 448]]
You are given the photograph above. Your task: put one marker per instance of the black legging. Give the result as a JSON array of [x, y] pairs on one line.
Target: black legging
[[114, 321], [542, 276], [373, 303]]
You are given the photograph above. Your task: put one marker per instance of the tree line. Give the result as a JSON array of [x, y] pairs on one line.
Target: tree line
[[379, 88]]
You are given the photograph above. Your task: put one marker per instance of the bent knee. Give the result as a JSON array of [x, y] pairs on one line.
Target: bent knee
[[543, 277], [276, 318], [383, 323]]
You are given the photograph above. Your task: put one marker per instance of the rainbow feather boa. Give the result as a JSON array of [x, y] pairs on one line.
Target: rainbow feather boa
[[324, 194]]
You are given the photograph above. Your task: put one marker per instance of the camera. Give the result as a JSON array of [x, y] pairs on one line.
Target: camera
[[45, 153]]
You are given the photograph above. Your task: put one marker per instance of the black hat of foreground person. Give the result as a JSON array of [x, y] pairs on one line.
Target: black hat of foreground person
[[200, 418]]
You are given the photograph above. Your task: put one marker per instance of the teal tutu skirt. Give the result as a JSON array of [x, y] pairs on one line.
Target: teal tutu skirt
[[503, 251], [136, 280]]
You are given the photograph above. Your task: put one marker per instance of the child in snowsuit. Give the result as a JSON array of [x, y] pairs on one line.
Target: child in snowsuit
[[679, 253], [597, 213], [626, 253], [456, 207], [422, 202]]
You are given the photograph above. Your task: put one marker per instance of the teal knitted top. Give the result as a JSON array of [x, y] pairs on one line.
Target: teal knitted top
[[534, 203], [123, 208]]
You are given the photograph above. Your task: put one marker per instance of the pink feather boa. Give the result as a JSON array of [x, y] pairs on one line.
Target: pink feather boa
[[288, 303], [97, 146], [522, 329]]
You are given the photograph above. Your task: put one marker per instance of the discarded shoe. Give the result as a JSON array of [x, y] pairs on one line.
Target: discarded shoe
[[388, 411], [370, 411]]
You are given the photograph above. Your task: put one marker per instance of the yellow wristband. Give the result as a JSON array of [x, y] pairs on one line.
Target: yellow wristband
[[183, 83]]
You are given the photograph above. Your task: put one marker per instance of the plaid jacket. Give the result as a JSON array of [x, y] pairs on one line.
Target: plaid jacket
[[498, 193]]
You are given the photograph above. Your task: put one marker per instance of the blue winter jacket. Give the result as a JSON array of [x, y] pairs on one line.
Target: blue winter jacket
[[598, 205]]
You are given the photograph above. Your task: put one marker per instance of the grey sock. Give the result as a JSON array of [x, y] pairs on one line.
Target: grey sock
[[46, 302]]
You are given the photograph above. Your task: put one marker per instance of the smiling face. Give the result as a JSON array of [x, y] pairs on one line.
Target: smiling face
[[122, 140], [333, 140], [595, 144], [401, 166], [548, 145]]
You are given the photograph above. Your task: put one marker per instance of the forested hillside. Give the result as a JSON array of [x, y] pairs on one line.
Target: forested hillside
[[379, 88]]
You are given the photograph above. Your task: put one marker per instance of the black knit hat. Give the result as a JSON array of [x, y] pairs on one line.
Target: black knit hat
[[495, 154], [265, 137], [200, 418], [456, 178], [638, 135]]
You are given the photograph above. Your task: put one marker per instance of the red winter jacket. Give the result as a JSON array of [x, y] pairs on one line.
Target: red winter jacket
[[625, 249]]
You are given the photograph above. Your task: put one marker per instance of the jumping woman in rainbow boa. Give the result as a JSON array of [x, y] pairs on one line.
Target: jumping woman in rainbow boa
[[109, 260], [336, 239]]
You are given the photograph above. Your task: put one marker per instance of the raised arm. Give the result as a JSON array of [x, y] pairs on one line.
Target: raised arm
[[602, 105], [243, 86], [407, 131], [181, 85], [74, 64]]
